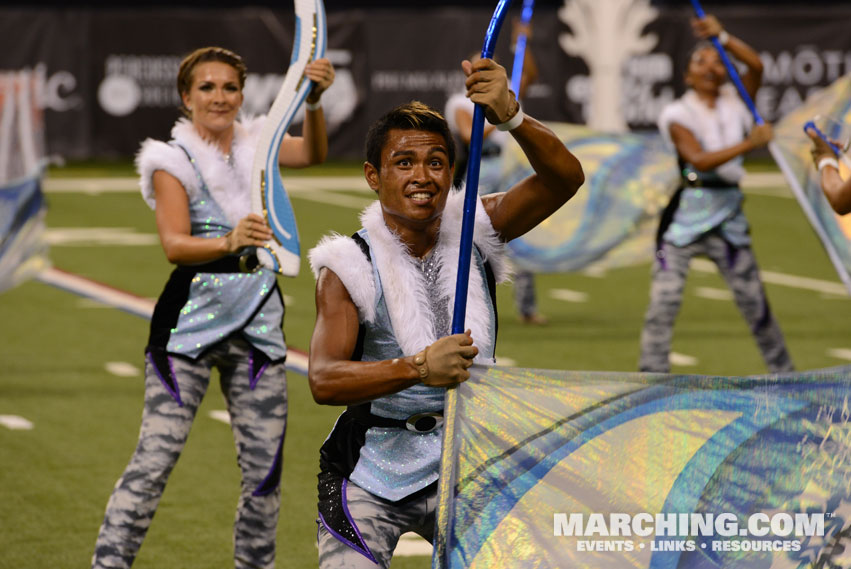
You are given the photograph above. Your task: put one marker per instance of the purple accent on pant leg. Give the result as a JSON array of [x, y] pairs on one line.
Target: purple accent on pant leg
[[732, 254], [256, 378], [252, 380], [175, 393], [766, 315], [660, 256], [273, 477], [363, 549]]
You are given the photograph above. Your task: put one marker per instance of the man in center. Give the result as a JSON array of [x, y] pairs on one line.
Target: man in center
[[381, 344]]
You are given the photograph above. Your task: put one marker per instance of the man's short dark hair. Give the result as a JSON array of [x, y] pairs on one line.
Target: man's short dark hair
[[410, 116]]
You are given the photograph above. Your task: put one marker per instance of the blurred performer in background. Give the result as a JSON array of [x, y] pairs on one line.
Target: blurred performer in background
[[214, 311], [710, 129], [459, 115], [836, 190]]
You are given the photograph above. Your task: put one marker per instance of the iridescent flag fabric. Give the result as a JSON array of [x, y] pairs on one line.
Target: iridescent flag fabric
[[23, 246], [612, 220], [603, 470], [834, 102]]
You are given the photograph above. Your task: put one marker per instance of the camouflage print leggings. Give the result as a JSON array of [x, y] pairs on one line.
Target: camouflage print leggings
[[524, 294], [379, 523], [258, 421], [738, 267]]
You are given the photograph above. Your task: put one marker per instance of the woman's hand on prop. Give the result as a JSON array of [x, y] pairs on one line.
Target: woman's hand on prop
[[251, 231], [321, 72]]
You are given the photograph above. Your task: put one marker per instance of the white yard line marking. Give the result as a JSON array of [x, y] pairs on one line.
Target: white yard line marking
[[411, 545], [220, 415], [771, 184], [90, 185], [678, 359], [97, 291], [770, 192], [334, 198], [568, 295], [505, 362], [296, 361], [15, 423], [595, 271], [122, 369], [311, 183], [713, 293], [783, 279], [131, 184], [840, 353], [98, 237]]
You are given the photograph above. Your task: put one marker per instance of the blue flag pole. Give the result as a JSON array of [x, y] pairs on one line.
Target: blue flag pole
[[471, 191], [810, 125], [520, 48], [446, 481], [787, 171]]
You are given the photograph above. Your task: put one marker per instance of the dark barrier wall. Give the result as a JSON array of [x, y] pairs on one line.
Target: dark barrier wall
[[108, 75]]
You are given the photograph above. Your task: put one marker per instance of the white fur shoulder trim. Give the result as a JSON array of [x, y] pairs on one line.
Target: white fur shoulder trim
[[156, 155], [678, 113], [343, 256], [484, 235]]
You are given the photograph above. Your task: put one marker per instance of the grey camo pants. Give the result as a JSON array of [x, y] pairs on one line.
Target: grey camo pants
[[380, 523], [258, 422], [739, 269], [524, 293]]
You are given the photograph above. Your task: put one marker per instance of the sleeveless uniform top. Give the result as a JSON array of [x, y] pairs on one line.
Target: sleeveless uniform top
[[204, 304], [395, 308], [713, 200]]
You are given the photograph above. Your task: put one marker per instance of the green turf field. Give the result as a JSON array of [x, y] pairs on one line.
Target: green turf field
[[55, 478]]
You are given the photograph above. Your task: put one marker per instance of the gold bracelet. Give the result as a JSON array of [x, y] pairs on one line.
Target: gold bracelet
[[421, 363]]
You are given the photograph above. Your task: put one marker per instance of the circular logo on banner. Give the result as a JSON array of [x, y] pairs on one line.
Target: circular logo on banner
[[119, 95]]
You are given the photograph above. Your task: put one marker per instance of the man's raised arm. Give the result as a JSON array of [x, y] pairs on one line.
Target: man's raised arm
[[558, 174]]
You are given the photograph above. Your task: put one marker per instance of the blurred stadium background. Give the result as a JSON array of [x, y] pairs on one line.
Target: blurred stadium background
[[70, 379]]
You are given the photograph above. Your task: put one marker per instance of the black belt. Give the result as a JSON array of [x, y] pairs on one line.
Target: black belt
[[418, 423], [247, 263], [692, 180]]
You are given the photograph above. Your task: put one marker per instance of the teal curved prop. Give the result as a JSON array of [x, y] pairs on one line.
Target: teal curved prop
[[269, 198]]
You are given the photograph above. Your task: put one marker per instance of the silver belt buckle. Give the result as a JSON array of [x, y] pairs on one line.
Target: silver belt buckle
[[424, 422]]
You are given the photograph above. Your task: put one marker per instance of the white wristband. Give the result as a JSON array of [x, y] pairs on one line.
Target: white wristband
[[827, 161], [313, 106], [723, 37], [513, 122]]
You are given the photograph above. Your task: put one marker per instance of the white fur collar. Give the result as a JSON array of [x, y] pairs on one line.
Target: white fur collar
[[720, 127], [229, 186], [403, 284]]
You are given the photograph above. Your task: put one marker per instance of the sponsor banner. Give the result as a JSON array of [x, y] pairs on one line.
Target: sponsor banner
[[593, 470], [109, 81]]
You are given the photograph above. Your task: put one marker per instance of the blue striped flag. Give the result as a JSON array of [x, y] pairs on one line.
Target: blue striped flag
[[581, 470]]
